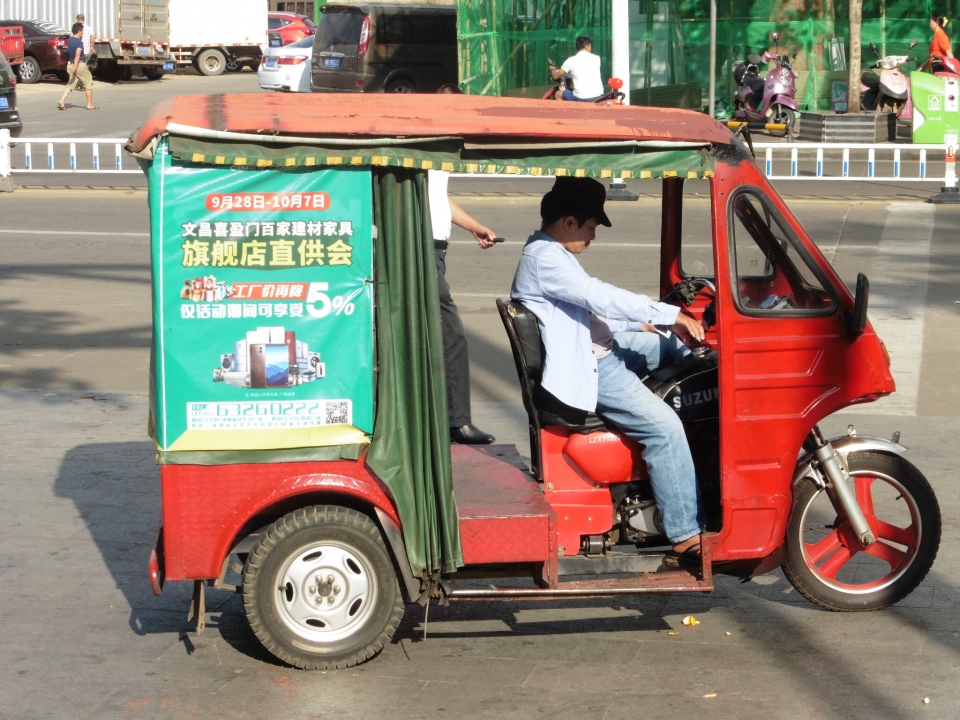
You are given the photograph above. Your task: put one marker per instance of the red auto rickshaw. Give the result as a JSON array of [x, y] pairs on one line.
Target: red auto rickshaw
[[336, 520]]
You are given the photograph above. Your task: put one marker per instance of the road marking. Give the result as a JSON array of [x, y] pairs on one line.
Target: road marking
[[73, 233], [898, 298]]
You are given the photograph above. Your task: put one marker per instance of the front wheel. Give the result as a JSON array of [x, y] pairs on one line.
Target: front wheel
[[320, 591], [826, 562], [783, 116]]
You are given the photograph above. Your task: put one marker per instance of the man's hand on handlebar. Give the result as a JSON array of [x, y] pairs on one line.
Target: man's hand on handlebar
[[689, 329]]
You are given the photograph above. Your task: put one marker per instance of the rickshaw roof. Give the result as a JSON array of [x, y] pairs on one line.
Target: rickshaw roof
[[479, 118]]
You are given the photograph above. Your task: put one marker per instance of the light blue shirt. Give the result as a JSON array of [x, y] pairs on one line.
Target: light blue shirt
[[550, 282]]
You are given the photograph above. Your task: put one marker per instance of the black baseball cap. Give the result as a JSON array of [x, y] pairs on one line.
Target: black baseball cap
[[576, 195]]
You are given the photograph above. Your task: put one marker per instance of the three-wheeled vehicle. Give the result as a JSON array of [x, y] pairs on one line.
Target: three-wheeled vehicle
[[293, 256]]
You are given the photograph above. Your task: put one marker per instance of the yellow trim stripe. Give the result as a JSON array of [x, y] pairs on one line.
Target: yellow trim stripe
[[426, 165], [669, 173], [644, 174], [197, 157], [606, 173], [334, 160], [560, 172], [264, 163], [291, 162], [408, 162], [310, 161], [446, 166], [239, 161], [356, 160]]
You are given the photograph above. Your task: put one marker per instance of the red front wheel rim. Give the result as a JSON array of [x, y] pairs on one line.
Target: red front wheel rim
[[835, 556]]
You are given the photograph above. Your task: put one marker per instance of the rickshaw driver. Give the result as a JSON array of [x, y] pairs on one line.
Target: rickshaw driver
[[594, 350]]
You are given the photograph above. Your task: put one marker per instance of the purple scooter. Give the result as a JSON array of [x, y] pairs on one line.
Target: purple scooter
[[767, 101]]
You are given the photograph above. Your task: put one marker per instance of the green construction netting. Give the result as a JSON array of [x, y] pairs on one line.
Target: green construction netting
[[504, 44]]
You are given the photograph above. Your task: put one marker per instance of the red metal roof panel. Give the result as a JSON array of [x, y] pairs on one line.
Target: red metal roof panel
[[468, 116]]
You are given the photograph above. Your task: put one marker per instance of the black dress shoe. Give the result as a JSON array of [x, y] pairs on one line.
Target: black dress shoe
[[470, 435]]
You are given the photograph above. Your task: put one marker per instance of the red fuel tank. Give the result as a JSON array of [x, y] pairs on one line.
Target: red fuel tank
[[605, 456]]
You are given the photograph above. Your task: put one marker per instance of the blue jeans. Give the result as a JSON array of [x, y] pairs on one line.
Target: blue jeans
[[625, 401], [568, 95]]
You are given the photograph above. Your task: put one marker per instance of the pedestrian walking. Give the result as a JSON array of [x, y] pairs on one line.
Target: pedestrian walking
[[444, 212], [77, 67]]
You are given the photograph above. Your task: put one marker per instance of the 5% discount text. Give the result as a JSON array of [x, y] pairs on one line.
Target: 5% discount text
[[319, 303]]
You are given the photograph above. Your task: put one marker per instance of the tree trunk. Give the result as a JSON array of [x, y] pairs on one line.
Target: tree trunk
[[853, 79]]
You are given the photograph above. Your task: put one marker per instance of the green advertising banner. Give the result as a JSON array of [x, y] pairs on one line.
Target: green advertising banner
[[263, 306]]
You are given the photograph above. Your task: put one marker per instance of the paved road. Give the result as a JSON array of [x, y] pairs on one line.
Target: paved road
[[81, 635]]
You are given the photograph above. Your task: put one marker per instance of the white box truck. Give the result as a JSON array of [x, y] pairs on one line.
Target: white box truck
[[218, 35]]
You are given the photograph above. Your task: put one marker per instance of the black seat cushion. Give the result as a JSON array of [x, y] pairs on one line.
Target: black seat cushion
[[550, 410]]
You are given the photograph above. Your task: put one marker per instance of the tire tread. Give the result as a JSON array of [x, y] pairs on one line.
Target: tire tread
[[313, 516]]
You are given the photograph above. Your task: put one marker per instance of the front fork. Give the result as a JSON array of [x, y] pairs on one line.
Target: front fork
[[830, 470]]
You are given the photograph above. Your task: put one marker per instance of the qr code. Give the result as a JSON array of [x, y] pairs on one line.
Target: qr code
[[338, 413]]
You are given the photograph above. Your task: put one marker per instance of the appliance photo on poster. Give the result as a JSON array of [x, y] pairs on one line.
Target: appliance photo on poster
[[269, 357]]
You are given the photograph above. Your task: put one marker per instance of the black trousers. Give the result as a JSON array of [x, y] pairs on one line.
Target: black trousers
[[455, 355]]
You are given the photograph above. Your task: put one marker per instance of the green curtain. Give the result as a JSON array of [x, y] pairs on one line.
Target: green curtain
[[410, 450]]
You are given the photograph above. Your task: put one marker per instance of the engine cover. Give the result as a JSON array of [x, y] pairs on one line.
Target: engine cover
[[690, 386]]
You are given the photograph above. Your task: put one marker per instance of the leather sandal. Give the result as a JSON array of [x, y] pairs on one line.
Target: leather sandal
[[690, 557]]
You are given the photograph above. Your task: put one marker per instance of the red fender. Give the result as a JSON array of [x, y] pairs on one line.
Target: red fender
[[205, 506]]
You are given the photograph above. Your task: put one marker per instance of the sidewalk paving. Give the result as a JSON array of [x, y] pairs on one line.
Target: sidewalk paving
[[81, 635]]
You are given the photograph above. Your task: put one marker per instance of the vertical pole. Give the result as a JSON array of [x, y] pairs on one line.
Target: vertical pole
[[820, 162], [29, 153], [713, 57], [769, 167], [116, 149], [620, 50], [793, 162], [620, 40], [50, 156], [896, 163], [846, 162], [853, 76], [923, 163], [73, 156], [871, 160], [6, 167], [950, 176], [96, 156]]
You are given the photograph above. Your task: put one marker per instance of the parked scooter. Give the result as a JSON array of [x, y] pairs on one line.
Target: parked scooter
[[613, 97], [770, 100], [889, 87], [945, 67]]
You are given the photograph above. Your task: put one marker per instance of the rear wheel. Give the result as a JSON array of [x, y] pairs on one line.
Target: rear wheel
[[152, 73], [401, 85], [29, 71], [320, 591], [234, 65], [827, 563], [211, 63]]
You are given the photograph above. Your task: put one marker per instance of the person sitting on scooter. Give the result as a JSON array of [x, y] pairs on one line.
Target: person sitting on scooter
[[584, 70], [594, 356], [940, 47]]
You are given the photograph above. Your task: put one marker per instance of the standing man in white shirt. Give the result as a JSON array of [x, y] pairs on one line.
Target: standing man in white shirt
[[88, 36], [584, 70], [443, 213]]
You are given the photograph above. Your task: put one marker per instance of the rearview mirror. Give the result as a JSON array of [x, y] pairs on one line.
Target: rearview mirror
[[913, 43], [873, 46], [615, 83], [755, 59], [795, 53], [776, 37], [857, 318]]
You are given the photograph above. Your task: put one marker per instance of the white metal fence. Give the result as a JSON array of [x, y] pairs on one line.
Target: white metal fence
[[780, 161], [876, 162]]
